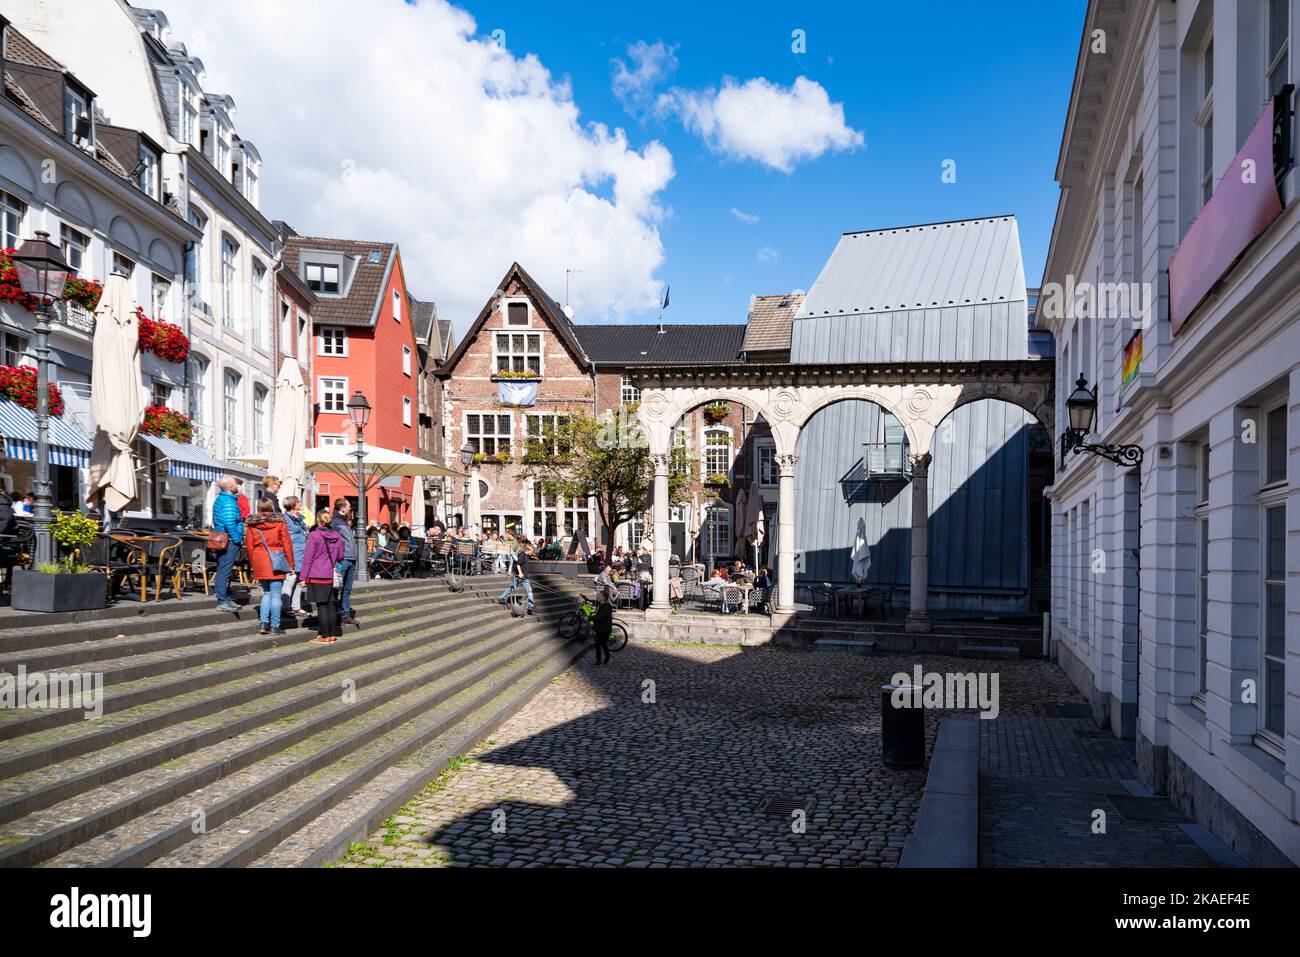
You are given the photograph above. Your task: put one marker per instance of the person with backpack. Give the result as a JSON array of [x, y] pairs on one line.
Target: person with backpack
[[270, 558], [297, 526], [320, 572]]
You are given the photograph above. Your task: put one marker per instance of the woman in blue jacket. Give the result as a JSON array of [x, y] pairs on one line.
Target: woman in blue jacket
[[298, 535], [226, 518]]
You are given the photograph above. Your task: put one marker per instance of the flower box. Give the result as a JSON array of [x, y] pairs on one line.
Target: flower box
[[715, 412], [160, 420], [18, 384], [165, 340]]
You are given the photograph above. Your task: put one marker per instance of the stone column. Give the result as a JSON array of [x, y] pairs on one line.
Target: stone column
[[663, 543], [918, 616], [785, 530]]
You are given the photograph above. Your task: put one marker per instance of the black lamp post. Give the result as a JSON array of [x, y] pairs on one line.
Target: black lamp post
[[1081, 411], [467, 460], [359, 413], [42, 274]]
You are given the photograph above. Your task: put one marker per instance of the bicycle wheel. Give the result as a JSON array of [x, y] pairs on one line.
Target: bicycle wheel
[[617, 637], [570, 624]]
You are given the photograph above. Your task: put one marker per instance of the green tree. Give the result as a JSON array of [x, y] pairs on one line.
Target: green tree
[[606, 458]]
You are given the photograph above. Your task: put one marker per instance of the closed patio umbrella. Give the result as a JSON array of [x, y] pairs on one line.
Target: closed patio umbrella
[[116, 403], [860, 554], [417, 504], [755, 528], [739, 511], [288, 426]]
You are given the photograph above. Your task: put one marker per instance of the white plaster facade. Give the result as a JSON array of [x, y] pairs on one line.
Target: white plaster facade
[[1163, 576]]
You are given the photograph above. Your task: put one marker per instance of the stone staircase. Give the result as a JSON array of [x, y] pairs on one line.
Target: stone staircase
[[221, 747]]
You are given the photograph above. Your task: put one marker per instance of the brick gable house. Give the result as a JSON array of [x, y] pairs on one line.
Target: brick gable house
[[364, 339], [522, 338]]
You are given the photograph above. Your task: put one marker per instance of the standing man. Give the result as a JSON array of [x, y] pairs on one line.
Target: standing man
[[271, 492], [226, 518], [342, 524], [519, 578]]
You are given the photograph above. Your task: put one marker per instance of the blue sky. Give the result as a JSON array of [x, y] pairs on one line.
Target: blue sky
[[985, 85]]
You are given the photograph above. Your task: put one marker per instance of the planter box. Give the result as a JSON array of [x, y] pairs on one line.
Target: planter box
[[36, 591]]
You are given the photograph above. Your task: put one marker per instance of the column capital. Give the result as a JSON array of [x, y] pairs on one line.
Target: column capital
[[920, 463], [786, 463], [662, 462]]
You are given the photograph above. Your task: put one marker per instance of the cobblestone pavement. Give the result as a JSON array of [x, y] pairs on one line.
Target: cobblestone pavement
[[1041, 782], [590, 774]]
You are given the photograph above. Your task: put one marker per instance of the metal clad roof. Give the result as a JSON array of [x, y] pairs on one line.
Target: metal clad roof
[[911, 267]]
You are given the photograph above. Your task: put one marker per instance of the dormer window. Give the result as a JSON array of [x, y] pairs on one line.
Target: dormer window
[[76, 117], [147, 172], [517, 314], [322, 277]]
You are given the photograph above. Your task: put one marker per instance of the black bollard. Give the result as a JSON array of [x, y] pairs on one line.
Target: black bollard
[[902, 728]]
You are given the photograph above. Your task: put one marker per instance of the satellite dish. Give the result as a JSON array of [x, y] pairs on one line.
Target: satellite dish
[[568, 311]]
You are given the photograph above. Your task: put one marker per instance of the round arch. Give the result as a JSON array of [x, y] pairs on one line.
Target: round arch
[[1037, 401], [662, 409], [876, 396]]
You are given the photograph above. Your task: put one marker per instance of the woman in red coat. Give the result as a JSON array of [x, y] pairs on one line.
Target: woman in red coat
[[270, 557]]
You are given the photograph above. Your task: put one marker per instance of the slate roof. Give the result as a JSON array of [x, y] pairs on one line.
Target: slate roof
[[423, 316], [645, 344], [956, 263], [445, 337], [770, 318], [357, 307]]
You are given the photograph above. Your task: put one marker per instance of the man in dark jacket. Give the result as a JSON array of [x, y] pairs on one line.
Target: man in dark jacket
[[8, 521], [271, 491], [342, 523], [602, 623]]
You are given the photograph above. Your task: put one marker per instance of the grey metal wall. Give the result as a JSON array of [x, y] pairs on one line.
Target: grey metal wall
[[981, 331], [979, 515]]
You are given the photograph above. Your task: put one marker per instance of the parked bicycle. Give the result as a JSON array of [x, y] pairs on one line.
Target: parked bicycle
[[580, 622]]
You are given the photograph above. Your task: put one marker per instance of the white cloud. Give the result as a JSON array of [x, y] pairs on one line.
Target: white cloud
[[406, 126], [762, 121], [652, 63], [767, 256], [749, 219]]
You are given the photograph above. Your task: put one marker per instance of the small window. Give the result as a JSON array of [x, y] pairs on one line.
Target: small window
[[160, 291], [76, 117], [333, 395], [322, 277], [1275, 446], [406, 361], [12, 212], [328, 439], [517, 314], [397, 306], [333, 341], [629, 392], [519, 352], [147, 177], [15, 348], [488, 434], [74, 245], [406, 411], [123, 265], [765, 466]]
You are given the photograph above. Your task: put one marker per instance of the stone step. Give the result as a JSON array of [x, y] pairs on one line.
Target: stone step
[[149, 704], [853, 645], [461, 719], [140, 838], [51, 784], [196, 672], [988, 651]]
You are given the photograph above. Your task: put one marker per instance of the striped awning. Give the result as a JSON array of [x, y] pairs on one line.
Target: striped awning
[[18, 427], [186, 460]]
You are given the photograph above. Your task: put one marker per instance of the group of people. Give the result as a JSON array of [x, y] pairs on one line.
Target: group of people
[[290, 554]]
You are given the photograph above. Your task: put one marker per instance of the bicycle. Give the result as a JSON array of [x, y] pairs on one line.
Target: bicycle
[[580, 622]]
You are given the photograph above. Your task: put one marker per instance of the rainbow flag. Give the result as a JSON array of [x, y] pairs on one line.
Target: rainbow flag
[[1132, 361]]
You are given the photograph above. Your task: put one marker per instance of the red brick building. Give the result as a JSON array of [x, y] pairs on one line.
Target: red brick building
[[522, 329], [363, 340]]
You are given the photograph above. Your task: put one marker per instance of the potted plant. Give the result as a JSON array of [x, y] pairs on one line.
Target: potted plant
[[715, 412], [525, 374], [718, 479], [65, 585]]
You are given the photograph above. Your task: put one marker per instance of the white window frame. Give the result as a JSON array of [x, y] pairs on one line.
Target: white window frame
[[1205, 121], [338, 278], [332, 439], [199, 366], [260, 319], [406, 410], [10, 352], [325, 391], [323, 341], [761, 448], [261, 417], [13, 213], [397, 306], [406, 360], [718, 517], [229, 280], [1270, 739], [232, 405], [510, 355], [496, 437], [160, 291], [75, 246], [705, 471], [1266, 446], [628, 393]]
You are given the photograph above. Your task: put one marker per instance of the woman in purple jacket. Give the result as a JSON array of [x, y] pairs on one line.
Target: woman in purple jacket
[[319, 561]]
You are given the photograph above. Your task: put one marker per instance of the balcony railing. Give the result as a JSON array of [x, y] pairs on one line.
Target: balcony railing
[[78, 317], [887, 461]]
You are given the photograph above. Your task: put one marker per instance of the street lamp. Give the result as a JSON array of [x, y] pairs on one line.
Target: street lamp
[[1081, 411], [359, 413], [42, 274], [466, 459]]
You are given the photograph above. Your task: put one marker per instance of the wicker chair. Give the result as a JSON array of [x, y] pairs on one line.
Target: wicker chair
[[733, 598], [624, 592], [396, 563], [106, 555]]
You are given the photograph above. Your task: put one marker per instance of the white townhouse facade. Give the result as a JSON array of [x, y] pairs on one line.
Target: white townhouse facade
[[1176, 582], [213, 176], [96, 188]]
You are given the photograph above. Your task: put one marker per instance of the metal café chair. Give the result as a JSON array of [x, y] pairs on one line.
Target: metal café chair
[[106, 555], [732, 598]]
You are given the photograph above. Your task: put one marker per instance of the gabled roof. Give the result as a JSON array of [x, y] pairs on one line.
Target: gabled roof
[[446, 338], [359, 304], [956, 263], [770, 318], [423, 320], [552, 310], [645, 344]]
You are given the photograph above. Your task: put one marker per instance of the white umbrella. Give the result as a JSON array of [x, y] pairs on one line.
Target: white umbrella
[[380, 463], [860, 554], [739, 512], [417, 503], [287, 430], [474, 519], [693, 529], [755, 523], [116, 403]]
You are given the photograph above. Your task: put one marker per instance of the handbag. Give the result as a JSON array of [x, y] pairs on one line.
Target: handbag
[[279, 562], [218, 541]]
